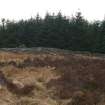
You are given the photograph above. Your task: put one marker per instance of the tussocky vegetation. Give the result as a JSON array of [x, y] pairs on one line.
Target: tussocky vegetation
[[54, 31], [51, 78]]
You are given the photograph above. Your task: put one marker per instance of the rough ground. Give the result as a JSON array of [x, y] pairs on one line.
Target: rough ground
[[59, 78]]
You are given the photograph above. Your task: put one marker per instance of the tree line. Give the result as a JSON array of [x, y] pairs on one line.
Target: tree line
[[55, 31]]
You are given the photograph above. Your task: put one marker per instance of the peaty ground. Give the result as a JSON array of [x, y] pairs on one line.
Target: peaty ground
[[58, 78]]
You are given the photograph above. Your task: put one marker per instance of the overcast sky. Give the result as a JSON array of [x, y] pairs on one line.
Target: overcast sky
[[24, 9]]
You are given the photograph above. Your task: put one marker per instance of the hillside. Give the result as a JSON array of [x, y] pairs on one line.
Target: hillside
[[51, 77]]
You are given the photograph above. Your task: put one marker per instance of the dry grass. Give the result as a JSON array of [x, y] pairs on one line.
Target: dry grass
[[52, 79]]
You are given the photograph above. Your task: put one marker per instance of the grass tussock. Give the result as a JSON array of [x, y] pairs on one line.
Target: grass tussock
[[52, 79]]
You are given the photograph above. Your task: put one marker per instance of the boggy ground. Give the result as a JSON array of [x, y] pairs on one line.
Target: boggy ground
[[57, 78]]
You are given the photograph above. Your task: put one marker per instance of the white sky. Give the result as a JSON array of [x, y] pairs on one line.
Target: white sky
[[24, 9]]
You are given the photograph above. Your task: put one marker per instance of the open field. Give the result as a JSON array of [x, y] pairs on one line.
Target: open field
[[51, 78]]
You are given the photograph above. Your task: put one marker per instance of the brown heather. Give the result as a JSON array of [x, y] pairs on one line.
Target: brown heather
[[51, 78]]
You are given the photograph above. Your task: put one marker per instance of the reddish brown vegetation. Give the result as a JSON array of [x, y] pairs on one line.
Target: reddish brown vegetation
[[81, 74], [77, 77], [27, 89]]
